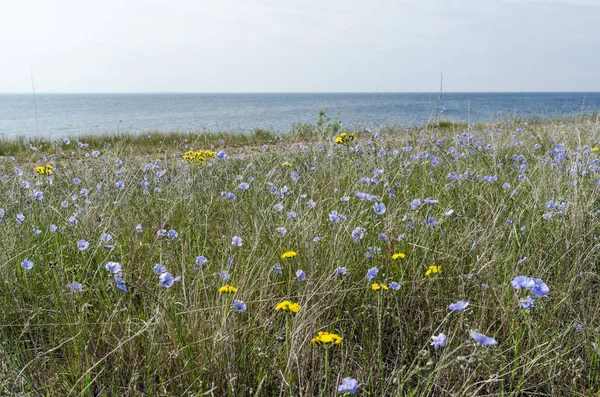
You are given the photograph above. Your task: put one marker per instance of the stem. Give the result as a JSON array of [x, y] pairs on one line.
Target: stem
[[326, 370]]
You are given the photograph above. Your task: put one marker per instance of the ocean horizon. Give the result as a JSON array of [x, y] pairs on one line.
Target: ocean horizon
[[72, 114]]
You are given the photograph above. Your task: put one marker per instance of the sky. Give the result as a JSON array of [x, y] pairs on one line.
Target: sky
[[299, 45]]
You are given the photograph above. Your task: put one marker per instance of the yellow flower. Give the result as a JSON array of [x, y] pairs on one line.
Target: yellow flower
[[40, 170], [289, 254], [344, 138], [327, 339], [433, 269], [288, 306], [286, 164], [564, 132], [49, 169], [227, 289], [596, 149], [377, 287], [400, 255]]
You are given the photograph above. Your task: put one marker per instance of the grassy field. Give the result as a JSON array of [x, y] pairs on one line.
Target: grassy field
[[113, 265]]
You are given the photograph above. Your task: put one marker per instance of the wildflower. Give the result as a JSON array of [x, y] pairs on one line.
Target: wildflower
[[482, 339], [41, 170], [82, 245], [371, 273], [105, 238], [288, 306], [244, 186], [377, 287], [278, 207], [344, 138], [278, 269], [239, 306], [225, 276], [523, 282], [52, 228], [120, 283], [75, 287], [449, 212], [460, 305], [288, 254], [20, 218], [286, 164], [120, 185], [327, 339], [27, 264], [281, 230], [236, 241], [433, 269], [310, 204], [348, 385], [172, 234], [114, 267], [540, 288], [159, 269], [300, 275], [430, 221], [138, 228], [341, 271], [291, 215], [227, 289], [379, 208], [334, 217], [201, 260], [358, 234], [167, 280], [438, 341], [399, 255], [395, 286], [416, 203], [527, 303]]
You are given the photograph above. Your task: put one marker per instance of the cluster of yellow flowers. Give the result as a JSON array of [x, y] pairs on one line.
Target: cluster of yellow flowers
[[289, 254], [198, 158], [433, 269], [344, 138], [377, 287], [399, 255], [228, 289], [327, 339], [288, 306], [44, 169]]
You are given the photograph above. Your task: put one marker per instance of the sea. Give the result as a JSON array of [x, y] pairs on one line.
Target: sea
[[59, 115]]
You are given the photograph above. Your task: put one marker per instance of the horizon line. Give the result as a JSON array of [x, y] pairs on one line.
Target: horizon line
[[293, 92]]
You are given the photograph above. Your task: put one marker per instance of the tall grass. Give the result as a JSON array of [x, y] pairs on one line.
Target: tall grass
[[187, 339]]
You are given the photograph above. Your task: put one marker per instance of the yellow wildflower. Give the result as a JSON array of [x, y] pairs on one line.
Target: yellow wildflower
[[596, 149], [327, 339], [288, 306], [227, 289], [433, 269], [49, 169], [344, 138], [289, 254], [286, 164], [40, 170], [377, 287], [399, 255]]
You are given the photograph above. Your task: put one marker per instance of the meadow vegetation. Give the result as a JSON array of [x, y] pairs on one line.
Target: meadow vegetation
[[450, 260]]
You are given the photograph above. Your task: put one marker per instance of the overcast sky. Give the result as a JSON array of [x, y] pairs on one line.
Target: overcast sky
[[299, 45]]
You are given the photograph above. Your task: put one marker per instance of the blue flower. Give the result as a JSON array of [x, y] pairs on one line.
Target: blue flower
[[120, 283], [341, 271], [395, 286], [300, 275], [527, 303], [120, 185], [281, 230], [291, 214], [416, 203], [76, 181], [523, 282], [371, 273], [138, 228], [506, 186], [20, 218], [382, 236], [27, 264], [379, 208], [348, 385], [459, 305], [167, 280], [278, 207], [430, 221], [244, 186], [114, 267], [438, 341], [334, 217], [159, 269], [239, 306], [75, 287], [173, 234], [201, 260], [105, 238], [482, 339], [429, 200], [310, 204], [278, 269], [358, 234], [540, 288], [236, 241], [82, 245], [52, 228], [221, 155], [225, 276]]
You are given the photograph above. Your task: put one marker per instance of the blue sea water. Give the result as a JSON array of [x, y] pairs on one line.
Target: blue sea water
[[74, 114]]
